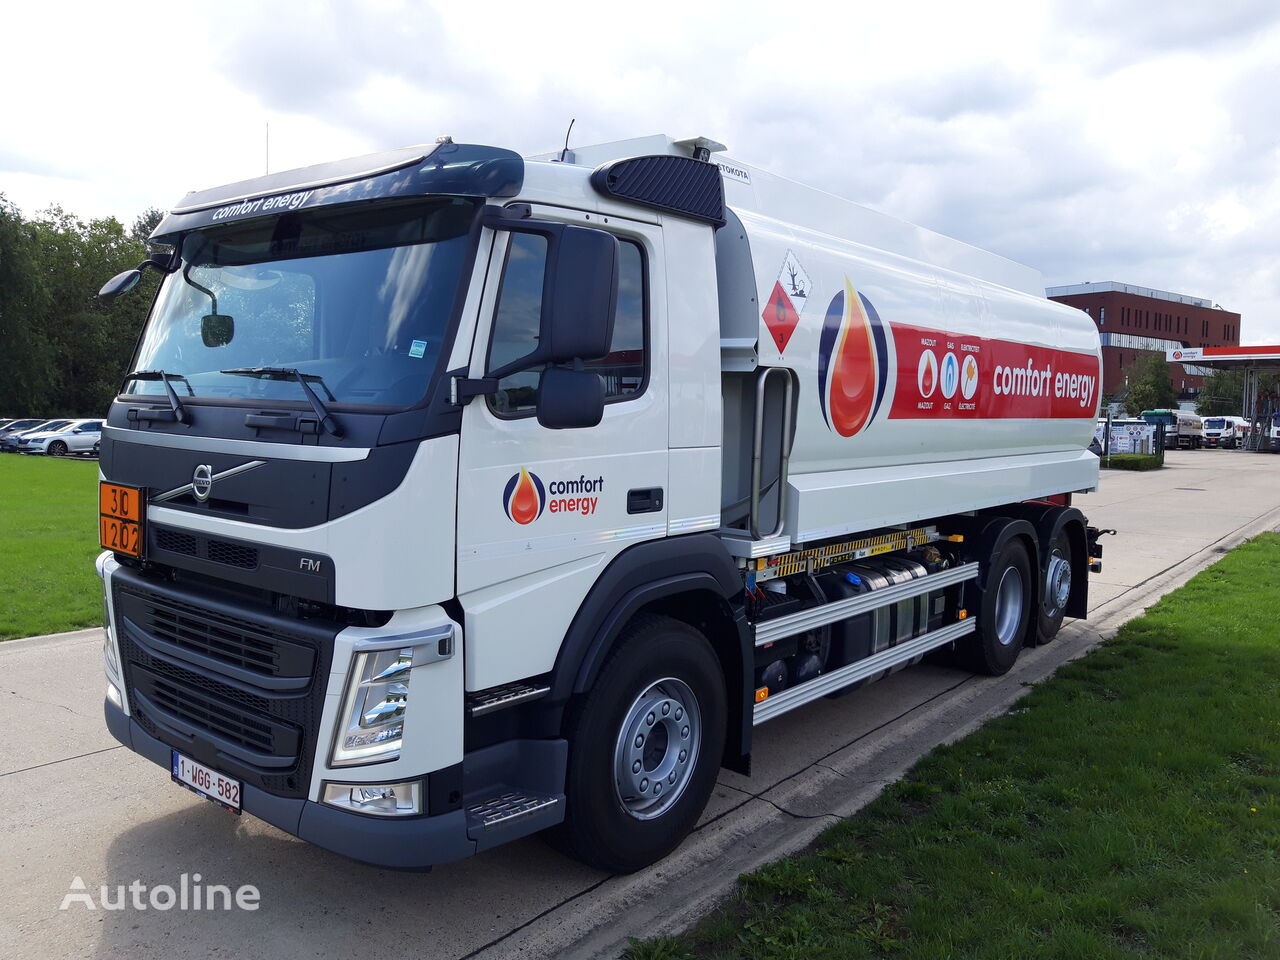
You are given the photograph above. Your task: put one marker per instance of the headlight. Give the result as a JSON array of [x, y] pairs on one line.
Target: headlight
[[379, 799], [371, 725], [373, 709]]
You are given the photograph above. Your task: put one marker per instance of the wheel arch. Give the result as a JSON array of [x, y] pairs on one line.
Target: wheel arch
[[1048, 521], [690, 578]]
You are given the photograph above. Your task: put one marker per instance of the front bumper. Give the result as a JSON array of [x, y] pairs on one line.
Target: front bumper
[[400, 843], [406, 843], [174, 694]]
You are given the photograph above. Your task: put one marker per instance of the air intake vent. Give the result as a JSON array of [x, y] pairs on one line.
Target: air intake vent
[[682, 185], [176, 542], [227, 552], [232, 554]]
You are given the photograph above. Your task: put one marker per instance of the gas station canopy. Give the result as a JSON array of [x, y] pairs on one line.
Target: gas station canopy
[[1259, 408], [1228, 358]]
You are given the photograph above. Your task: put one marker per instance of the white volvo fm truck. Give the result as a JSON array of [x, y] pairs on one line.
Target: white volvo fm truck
[[455, 496]]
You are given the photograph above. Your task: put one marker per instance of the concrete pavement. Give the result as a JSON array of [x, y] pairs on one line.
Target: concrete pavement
[[78, 805]]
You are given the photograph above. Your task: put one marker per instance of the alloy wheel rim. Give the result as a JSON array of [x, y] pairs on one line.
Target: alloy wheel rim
[[657, 748], [1009, 602]]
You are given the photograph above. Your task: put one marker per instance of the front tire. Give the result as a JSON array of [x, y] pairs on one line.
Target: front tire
[[57, 449], [1003, 618], [644, 747]]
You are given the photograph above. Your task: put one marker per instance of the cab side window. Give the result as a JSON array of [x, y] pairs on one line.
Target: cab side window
[[519, 315]]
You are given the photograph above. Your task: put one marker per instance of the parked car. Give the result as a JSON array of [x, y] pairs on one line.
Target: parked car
[[17, 426], [5, 421], [78, 437], [9, 443]]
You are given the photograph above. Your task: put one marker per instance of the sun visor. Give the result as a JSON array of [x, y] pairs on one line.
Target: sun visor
[[452, 169]]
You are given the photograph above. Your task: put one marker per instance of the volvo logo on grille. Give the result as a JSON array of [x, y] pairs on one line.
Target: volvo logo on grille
[[202, 482], [202, 479]]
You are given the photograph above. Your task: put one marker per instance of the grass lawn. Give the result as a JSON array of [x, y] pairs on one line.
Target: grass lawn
[[49, 537], [1128, 807]]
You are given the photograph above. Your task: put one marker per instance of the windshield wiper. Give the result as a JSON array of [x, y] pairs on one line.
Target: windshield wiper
[[179, 411], [292, 373]]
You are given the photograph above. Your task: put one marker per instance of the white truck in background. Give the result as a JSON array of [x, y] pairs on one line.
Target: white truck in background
[[1226, 432], [453, 496]]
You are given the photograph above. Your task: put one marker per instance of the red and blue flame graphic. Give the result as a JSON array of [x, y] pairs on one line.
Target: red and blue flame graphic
[[524, 498], [853, 362]]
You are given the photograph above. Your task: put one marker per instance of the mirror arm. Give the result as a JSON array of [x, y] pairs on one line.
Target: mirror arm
[[512, 215], [186, 276], [462, 390]]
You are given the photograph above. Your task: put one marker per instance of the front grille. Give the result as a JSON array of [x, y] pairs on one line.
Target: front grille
[[231, 641], [238, 688], [229, 721]]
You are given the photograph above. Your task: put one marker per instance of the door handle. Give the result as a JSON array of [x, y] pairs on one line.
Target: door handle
[[648, 500]]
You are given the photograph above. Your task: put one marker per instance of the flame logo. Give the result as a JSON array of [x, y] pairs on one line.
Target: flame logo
[[853, 362], [524, 497]]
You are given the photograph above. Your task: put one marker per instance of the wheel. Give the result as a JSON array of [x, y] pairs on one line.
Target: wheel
[[57, 449], [1055, 589], [1003, 616], [644, 747]]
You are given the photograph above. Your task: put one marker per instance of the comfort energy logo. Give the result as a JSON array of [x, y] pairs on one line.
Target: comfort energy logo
[[524, 498], [853, 363]]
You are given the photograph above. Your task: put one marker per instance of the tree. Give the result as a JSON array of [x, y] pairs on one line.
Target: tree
[[1150, 387], [91, 340], [1223, 392], [144, 223], [63, 350], [25, 355]]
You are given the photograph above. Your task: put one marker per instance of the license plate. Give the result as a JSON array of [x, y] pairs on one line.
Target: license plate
[[206, 782], [120, 515]]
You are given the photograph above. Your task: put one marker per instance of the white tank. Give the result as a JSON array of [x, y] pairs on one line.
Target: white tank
[[931, 377]]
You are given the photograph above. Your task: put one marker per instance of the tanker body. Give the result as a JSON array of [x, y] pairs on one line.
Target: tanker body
[[499, 494]]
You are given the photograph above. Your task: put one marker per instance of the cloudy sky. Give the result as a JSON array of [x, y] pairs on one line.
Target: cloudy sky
[[1093, 139]]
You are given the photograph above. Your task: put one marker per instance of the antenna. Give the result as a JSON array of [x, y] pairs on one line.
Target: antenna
[[566, 139]]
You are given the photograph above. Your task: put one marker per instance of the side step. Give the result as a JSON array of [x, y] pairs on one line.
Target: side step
[[806, 620], [508, 695], [820, 686], [507, 812]]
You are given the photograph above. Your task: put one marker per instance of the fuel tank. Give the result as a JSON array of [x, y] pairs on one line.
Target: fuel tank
[[928, 377]]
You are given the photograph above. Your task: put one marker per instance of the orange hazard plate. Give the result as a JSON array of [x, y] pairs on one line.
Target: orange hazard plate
[[120, 511]]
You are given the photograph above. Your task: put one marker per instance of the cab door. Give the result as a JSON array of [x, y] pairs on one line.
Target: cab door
[[541, 512]]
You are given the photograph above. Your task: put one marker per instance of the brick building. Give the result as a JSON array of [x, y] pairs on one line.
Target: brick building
[[1133, 319]]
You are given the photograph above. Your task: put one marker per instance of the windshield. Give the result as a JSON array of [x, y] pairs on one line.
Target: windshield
[[357, 299], [1215, 423]]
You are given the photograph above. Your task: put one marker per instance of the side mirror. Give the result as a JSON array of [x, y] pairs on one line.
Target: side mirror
[[570, 399], [582, 300], [217, 329], [579, 293], [120, 284]]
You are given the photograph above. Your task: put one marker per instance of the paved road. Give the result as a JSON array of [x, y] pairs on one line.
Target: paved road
[[78, 805]]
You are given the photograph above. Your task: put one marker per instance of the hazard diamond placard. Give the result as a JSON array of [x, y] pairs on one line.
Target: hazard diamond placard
[[780, 316]]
